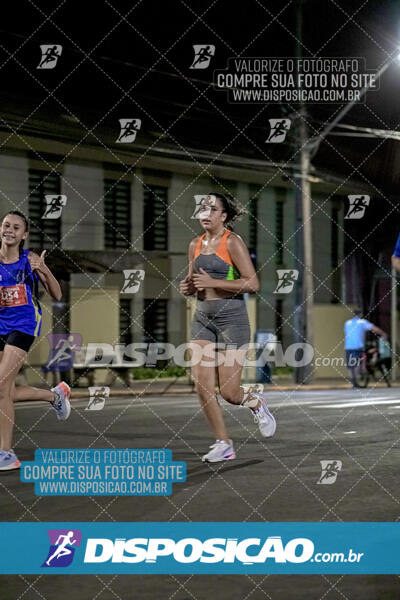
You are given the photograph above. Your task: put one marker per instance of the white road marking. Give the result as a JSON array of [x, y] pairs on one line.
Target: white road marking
[[275, 400], [357, 403]]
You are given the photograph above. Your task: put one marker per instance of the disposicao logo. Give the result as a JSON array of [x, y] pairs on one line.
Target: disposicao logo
[[62, 547], [191, 550]]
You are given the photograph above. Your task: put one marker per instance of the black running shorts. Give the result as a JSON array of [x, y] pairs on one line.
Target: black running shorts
[[17, 338]]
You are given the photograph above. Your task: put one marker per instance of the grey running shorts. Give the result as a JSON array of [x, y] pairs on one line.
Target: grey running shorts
[[221, 321]]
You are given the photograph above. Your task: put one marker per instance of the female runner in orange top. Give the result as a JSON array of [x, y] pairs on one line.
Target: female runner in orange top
[[220, 271]]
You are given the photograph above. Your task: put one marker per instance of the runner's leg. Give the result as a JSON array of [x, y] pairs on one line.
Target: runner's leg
[[204, 378], [231, 390], [26, 392], [11, 362], [229, 375]]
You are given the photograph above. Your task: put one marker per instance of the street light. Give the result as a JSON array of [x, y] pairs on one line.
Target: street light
[[315, 142], [303, 312]]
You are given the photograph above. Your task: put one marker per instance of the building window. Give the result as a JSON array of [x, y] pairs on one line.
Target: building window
[[125, 321], [44, 234], [155, 218], [155, 321], [253, 222], [279, 246], [279, 318], [117, 214]]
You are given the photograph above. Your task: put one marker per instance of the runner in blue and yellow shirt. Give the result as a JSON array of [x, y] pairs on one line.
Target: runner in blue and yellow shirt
[[20, 322]]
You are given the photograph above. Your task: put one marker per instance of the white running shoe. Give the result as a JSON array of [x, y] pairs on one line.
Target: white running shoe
[[61, 404], [220, 451], [8, 460], [262, 416]]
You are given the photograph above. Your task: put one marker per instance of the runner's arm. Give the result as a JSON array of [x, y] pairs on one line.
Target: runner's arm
[[47, 278], [186, 286]]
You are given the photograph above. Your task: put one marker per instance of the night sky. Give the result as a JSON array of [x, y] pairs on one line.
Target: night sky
[[132, 59]]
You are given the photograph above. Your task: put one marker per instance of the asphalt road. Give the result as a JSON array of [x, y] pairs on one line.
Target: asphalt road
[[271, 480]]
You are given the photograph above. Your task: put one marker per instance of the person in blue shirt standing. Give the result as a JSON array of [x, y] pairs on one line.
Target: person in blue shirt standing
[[396, 255], [354, 332], [20, 322]]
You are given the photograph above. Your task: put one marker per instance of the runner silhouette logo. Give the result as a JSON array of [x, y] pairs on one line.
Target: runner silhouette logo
[[286, 280], [129, 129], [279, 129], [50, 55], [357, 206], [133, 279], [63, 543], [329, 471], [98, 396], [62, 351], [54, 206], [202, 56], [203, 206]]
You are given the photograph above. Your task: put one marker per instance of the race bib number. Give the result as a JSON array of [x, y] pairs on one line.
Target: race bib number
[[13, 295]]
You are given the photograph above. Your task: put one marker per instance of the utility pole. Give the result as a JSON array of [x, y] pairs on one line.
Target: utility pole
[[303, 321], [308, 283], [304, 300]]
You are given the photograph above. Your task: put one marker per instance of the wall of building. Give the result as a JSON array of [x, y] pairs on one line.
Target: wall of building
[[328, 324], [83, 229], [94, 314], [14, 183], [327, 278], [82, 219]]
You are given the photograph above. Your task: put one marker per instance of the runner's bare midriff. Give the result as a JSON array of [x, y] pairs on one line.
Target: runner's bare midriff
[[214, 294]]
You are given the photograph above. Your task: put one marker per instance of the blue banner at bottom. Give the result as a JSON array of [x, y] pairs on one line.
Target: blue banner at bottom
[[204, 548]]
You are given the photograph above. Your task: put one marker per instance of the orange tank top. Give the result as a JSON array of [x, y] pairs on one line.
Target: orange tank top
[[219, 264]]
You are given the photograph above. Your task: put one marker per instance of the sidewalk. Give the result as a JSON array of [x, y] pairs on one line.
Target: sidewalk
[[167, 386]]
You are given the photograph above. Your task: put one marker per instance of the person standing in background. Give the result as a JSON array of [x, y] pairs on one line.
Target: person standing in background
[[354, 331]]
